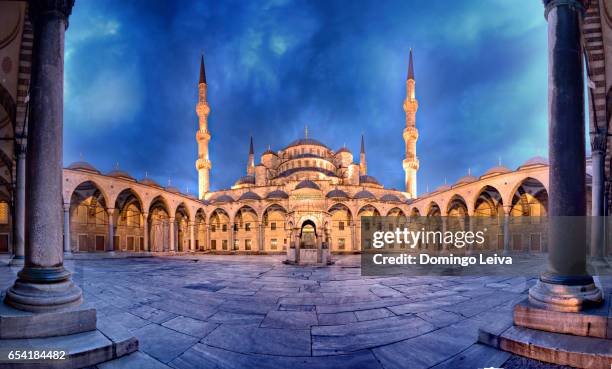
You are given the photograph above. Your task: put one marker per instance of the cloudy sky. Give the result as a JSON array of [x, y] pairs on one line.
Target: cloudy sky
[[274, 66]]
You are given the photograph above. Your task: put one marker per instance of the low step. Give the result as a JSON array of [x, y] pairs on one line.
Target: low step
[[556, 348], [594, 322], [18, 324], [83, 350]]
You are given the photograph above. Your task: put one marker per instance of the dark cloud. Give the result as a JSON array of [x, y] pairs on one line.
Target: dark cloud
[[275, 66]]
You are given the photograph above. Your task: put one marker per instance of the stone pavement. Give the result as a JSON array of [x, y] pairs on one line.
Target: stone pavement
[[211, 311]]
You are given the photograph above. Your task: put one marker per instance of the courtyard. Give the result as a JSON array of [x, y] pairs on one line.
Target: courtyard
[[212, 311]]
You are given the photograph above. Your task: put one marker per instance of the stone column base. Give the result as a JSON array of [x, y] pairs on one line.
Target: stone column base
[[565, 298], [43, 290]]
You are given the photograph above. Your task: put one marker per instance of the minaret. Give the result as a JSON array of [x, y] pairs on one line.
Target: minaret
[[411, 134], [251, 164], [363, 167], [203, 136]]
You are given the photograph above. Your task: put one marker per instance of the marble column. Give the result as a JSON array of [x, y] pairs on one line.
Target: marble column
[[67, 229], [43, 284], [598, 150], [353, 238], [145, 232], [566, 285], [506, 230], [19, 221], [260, 237], [172, 234], [192, 227], [111, 230], [207, 245]]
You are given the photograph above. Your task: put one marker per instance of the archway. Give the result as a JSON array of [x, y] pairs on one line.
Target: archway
[[276, 234], [219, 232], [529, 204], [200, 230], [129, 224], [182, 234], [342, 228], [159, 225], [88, 219], [308, 235], [245, 229]]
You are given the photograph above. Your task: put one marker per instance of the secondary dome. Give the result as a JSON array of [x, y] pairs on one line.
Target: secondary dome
[[344, 149], [245, 180], [368, 179], [496, 170], [337, 194], [83, 165], [277, 194], [535, 161], [307, 184], [390, 198], [466, 179], [222, 198], [249, 196], [149, 182], [364, 194], [120, 174], [442, 188], [172, 189]]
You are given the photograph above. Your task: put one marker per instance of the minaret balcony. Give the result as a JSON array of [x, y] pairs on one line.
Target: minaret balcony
[[411, 133], [203, 164], [203, 136], [411, 164]]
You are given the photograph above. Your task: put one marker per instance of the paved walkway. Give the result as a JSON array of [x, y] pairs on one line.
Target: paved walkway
[[255, 312]]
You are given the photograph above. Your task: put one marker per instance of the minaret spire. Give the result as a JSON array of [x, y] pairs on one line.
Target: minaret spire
[[363, 167], [411, 133], [203, 164], [251, 164]]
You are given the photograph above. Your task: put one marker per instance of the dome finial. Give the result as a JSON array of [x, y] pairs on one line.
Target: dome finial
[[306, 131], [469, 171], [499, 161]]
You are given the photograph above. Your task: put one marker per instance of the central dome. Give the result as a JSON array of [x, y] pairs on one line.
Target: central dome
[[306, 141]]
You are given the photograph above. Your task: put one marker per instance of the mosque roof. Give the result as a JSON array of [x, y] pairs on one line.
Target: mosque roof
[[390, 198], [117, 173], [444, 187], [222, 198], [343, 149], [535, 161], [249, 196], [466, 179], [307, 184], [245, 180], [337, 194], [499, 169], [364, 194], [149, 182], [83, 165], [172, 189], [306, 141], [277, 194], [368, 179]]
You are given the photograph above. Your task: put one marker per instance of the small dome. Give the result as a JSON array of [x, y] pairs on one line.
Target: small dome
[[535, 161], [442, 188], [172, 189], [277, 194], [245, 180], [344, 149], [120, 174], [249, 196], [307, 184], [222, 198], [368, 179], [149, 182], [390, 198], [496, 170], [337, 194], [83, 165], [364, 194], [269, 152], [466, 179]]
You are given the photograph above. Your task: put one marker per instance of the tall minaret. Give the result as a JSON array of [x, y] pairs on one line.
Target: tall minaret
[[363, 167], [251, 164], [203, 136], [411, 134]]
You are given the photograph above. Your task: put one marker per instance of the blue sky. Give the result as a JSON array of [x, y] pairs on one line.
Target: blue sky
[[274, 66]]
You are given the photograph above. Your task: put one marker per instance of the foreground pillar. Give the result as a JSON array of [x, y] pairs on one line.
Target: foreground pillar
[[566, 285], [507, 210], [43, 284], [67, 229], [145, 232], [19, 222], [192, 226], [598, 149], [172, 235], [111, 230]]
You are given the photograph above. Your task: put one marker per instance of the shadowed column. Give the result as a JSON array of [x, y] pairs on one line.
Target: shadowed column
[[566, 285], [19, 238], [43, 284]]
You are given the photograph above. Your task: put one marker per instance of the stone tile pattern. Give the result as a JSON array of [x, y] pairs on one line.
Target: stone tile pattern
[[253, 311]]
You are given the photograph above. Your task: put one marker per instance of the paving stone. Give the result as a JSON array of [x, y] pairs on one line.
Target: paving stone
[[477, 355], [337, 318], [226, 317], [137, 360], [338, 339], [162, 343], [204, 356], [290, 319], [373, 314], [151, 314], [192, 327], [129, 321], [440, 318], [249, 339]]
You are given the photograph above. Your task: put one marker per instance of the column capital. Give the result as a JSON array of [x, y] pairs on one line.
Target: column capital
[[579, 5], [599, 142], [60, 8], [66, 207], [21, 148], [110, 211]]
